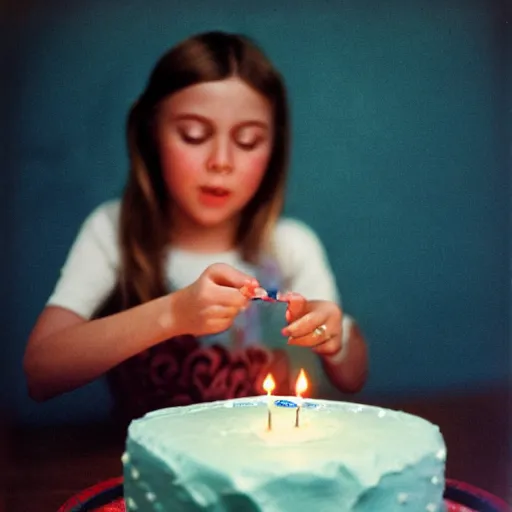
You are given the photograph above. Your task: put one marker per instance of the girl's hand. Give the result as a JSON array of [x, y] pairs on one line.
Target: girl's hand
[[210, 304], [316, 324]]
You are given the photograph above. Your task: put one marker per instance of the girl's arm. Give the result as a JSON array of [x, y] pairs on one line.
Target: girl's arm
[[341, 348], [65, 351], [309, 273], [348, 369]]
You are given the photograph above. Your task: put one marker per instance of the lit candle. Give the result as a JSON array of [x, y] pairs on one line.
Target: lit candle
[[269, 386], [300, 386]]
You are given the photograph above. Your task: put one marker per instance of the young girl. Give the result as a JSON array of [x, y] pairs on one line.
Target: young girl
[[156, 290]]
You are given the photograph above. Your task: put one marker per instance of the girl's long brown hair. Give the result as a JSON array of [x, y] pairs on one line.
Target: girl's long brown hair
[[144, 219]]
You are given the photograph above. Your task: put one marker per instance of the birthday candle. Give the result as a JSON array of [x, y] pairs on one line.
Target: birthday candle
[[300, 387], [269, 386]]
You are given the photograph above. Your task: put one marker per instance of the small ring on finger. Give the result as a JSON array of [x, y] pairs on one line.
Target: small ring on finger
[[320, 332]]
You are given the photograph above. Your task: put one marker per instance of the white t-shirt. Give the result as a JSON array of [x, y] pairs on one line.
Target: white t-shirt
[[90, 271]]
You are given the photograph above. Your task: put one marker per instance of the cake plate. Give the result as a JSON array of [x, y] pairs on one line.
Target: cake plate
[[107, 496]]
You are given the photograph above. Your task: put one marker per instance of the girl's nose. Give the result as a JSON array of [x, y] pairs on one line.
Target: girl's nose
[[220, 159]]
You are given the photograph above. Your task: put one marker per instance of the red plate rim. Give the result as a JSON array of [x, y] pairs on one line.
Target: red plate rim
[[94, 490]]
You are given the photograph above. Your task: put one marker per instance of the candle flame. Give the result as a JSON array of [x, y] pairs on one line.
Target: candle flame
[[302, 383], [269, 384]]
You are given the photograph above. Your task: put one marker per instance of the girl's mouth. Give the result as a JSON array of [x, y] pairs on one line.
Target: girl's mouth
[[214, 196]]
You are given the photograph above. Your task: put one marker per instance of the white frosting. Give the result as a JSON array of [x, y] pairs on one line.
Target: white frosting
[[130, 503], [435, 480], [402, 498], [341, 457]]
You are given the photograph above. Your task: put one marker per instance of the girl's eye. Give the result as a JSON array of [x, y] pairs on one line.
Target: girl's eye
[[194, 134], [249, 143], [189, 139], [248, 146]]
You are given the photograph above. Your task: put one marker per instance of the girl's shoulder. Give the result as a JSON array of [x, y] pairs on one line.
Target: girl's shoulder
[[101, 228], [303, 261], [292, 231], [103, 221], [106, 213], [295, 244]]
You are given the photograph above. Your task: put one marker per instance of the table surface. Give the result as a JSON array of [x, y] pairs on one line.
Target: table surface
[[43, 467]]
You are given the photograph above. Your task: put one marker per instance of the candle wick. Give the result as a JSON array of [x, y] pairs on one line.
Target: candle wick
[[297, 412]]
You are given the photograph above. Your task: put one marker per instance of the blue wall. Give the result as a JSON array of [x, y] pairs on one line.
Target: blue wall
[[399, 162]]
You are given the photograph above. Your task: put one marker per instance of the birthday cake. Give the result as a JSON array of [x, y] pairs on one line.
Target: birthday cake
[[267, 454]]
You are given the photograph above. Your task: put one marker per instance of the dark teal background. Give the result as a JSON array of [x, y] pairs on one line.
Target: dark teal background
[[400, 163]]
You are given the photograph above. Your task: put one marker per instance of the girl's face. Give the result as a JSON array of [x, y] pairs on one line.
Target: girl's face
[[214, 141]]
